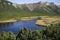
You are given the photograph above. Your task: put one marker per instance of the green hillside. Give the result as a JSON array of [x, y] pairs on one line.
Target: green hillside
[[9, 11]]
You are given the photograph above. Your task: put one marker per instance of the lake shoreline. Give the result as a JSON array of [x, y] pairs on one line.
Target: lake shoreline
[[21, 19], [8, 21], [47, 21], [27, 18]]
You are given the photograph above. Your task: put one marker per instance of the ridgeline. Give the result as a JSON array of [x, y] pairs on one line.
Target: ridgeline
[[9, 10]]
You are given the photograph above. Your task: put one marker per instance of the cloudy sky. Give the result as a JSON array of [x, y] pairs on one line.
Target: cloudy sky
[[33, 1]]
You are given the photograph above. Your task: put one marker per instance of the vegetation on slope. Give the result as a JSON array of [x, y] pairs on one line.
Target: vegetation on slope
[[7, 36], [50, 33], [8, 11]]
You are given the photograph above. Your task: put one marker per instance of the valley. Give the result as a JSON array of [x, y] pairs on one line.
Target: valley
[[18, 11], [32, 21]]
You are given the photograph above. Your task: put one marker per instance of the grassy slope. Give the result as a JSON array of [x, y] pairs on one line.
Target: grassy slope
[[12, 12]]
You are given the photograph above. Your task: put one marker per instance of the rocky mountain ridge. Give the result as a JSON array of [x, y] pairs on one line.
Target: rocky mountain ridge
[[39, 5]]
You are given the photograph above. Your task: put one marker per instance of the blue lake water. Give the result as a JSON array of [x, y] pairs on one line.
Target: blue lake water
[[15, 27]]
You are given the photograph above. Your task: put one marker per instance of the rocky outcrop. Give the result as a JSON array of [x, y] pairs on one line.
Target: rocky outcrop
[[33, 6]]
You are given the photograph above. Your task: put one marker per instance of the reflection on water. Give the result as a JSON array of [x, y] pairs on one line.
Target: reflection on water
[[5, 24], [15, 27]]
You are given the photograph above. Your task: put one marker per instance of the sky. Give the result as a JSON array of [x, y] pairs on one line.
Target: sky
[[34, 1]]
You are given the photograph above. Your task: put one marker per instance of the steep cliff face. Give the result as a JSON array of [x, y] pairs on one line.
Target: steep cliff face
[[40, 7], [31, 6]]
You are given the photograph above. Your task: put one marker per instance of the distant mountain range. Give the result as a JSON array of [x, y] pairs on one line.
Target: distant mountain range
[[39, 5], [12, 10]]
